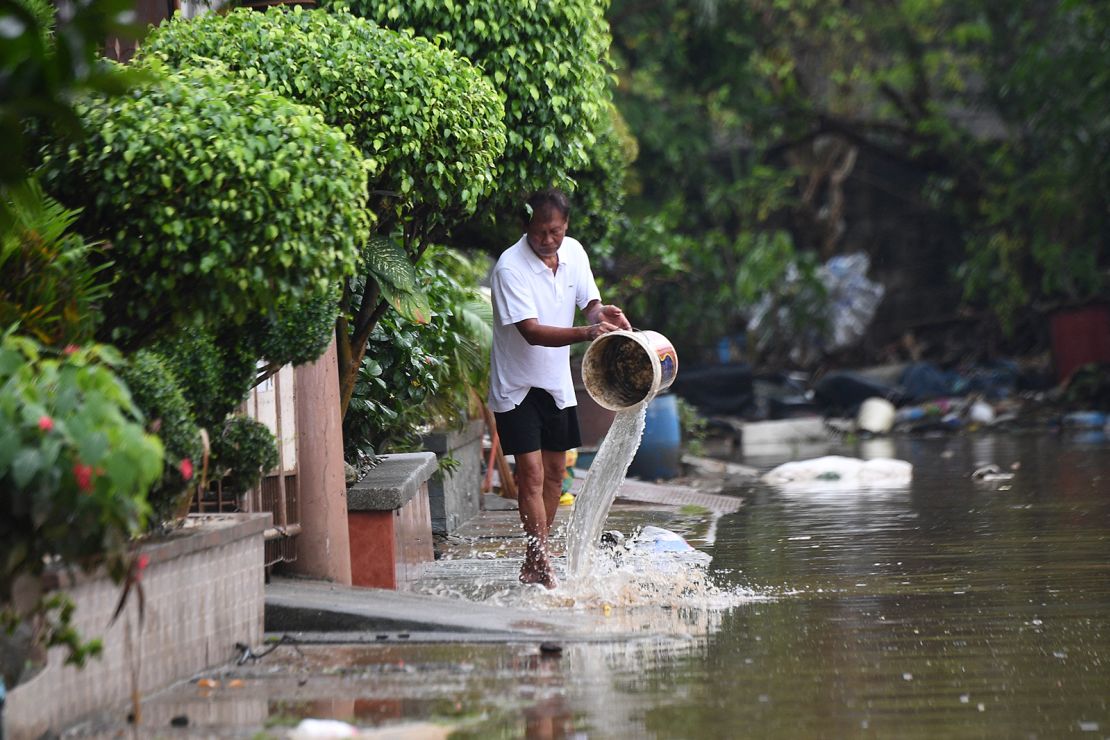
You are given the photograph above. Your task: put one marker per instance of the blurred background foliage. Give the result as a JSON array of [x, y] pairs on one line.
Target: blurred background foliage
[[970, 137]]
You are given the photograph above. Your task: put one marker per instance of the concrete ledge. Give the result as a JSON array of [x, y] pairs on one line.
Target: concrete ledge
[[295, 605], [454, 494], [393, 483]]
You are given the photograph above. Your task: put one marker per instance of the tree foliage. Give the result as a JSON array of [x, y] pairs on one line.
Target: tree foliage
[[219, 198], [549, 63], [416, 376], [157, 394], [753, 119], [48, 59], [427, 122]]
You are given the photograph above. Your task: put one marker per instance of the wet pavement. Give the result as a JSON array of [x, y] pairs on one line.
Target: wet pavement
[[951, 607]]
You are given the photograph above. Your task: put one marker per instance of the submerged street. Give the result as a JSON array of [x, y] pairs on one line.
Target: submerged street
[[953, 607]]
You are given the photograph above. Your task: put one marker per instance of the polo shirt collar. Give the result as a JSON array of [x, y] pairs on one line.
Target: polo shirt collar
[[534, 260]]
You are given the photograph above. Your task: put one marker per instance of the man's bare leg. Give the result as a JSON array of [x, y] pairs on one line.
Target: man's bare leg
[[554, 470], [532, 496]]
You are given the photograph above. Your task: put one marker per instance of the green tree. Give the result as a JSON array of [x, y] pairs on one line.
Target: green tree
[[547, 60], [751, 118], [428, 124], [219, 199]]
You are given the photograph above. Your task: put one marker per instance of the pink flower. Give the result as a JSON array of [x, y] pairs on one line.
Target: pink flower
[[186, 468], [138, 565], [46, 423], [70, 349], [83, 475]]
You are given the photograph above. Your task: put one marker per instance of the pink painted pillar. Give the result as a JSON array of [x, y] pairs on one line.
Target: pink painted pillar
[[323, 546]]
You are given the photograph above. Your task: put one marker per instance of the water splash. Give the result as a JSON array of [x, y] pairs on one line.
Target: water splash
[[606, 473], [634, 587]]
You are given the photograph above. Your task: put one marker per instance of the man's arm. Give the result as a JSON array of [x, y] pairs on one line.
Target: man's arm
[[603, 319], [558, 336]]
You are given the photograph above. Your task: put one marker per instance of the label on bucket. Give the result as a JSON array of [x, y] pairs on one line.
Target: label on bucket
[[668, 358]]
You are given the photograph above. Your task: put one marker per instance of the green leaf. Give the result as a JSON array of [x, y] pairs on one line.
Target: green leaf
[[387, 262], [26, 465]]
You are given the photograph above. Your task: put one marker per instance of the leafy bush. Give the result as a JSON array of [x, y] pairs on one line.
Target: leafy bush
[[428, 123], [157, 394], [75, 468], [50, 282], [219, 198], [40, 79], [549, 61], [214, 370], [416, 375], [241, 454], [297, 332]]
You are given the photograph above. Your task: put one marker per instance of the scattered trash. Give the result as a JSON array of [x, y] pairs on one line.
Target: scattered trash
[[551, 649], [852, 296], [1085, 420], [991, 474], [659, 547], [861, 473], [980, 412], [876, 415], [323, 728]]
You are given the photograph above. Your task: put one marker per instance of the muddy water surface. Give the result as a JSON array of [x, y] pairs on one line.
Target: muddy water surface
[[946, 608]]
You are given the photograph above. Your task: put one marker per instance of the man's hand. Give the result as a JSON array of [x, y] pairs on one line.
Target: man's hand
[[593, 331], [613, 315]]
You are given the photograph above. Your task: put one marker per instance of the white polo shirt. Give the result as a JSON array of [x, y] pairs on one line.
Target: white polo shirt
[[523, 287]]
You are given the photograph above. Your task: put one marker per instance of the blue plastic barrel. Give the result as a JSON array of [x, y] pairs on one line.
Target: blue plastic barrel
[[661, 446]]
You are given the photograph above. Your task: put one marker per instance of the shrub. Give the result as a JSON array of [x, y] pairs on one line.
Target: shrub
[[75, 468], [50, 282], [241, 454], [219, 198], [428, 123], [214, 369], [549, 60], [297, 332], [416, 375], [157, 394]]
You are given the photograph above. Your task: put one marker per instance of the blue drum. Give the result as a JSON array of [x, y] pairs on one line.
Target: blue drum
[[659, 456]]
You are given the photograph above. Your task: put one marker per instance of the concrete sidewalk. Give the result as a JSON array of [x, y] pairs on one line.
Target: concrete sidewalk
[[489, 548]]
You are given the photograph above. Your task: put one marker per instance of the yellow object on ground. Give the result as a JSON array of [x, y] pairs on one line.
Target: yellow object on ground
[[568, 476], [567, 499]]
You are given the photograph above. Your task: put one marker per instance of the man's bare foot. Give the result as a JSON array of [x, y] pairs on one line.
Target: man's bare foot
[[538, 570]]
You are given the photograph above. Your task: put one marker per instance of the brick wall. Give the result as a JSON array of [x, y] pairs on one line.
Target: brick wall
[[204, 592]]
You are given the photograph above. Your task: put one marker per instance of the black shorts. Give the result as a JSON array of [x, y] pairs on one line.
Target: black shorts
[[537, 424]]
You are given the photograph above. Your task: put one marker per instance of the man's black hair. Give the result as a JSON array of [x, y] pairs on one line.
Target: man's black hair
[[545, 201]]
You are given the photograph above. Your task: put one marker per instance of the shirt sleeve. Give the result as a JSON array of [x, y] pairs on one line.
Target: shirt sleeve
[[587, 287], [512, 297]]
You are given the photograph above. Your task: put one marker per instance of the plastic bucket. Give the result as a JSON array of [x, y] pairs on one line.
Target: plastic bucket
[[622, 369]]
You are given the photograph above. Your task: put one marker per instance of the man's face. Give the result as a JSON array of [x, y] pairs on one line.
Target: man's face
[[546, 232]]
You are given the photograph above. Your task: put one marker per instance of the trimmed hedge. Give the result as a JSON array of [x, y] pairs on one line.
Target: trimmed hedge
[[549, 61], [157, 394], [219, 198], [214, 371], [241, 454], [427, 121]]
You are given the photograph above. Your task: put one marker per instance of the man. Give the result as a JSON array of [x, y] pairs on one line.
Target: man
[[536, 285]]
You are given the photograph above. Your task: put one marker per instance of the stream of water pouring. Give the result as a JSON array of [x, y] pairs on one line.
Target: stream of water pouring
[[604, 478]]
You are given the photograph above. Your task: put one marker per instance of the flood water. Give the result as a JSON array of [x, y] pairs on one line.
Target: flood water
[[946, 608]]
